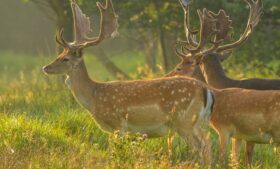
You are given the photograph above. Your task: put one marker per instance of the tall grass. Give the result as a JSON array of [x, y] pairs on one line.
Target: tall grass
[[42, 126]]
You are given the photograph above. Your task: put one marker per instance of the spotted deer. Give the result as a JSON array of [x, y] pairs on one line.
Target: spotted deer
[[151, 107], [208, 68]]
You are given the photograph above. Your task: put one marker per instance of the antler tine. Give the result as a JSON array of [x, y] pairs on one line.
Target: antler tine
[[207, 29], [108, 25], [184, 43], [214, 28], [254, 18], [184, 46], [215, 43], [180, 53], [190, 34], [59, 38]]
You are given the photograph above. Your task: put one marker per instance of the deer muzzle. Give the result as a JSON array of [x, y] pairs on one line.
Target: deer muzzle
[[47, 69]]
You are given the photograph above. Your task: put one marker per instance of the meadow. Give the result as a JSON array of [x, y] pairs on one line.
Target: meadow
[[42, 126]]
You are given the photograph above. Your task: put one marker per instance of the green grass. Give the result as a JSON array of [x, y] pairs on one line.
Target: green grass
[[42, 126]]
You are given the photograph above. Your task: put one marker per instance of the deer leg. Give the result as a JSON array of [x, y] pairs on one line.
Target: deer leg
[[191, 140], [205, 145], [195, 144], [249, 152], [200, 144], [224, 140], [236, 145], [170, 143]]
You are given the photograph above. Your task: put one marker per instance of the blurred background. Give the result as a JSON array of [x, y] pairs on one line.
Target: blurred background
[[148, 30], [41, 124]]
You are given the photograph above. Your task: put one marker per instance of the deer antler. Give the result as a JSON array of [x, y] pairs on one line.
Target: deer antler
[[108, 26], [224, 25], [217, 28], [60, 40], [254, 18], [81, 24], [190, 34], [211, 29]]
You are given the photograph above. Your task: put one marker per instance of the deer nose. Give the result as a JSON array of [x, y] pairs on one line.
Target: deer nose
[[45, 69]]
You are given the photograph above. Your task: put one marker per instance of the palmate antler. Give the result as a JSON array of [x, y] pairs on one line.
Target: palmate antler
[[108, 26], [254, 18], [215, 28], [223, 25]]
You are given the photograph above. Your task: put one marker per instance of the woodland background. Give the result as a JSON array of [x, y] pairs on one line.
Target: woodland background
[[148, 26], [42, 126]]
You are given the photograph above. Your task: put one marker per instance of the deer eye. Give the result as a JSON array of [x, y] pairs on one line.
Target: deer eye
[[74, 53], [65, 60], [179, 69]]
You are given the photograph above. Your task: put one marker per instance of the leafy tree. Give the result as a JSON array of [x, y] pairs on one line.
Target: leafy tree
[[156, 25]]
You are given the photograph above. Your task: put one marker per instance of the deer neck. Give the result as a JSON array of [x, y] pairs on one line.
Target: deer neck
[[81, 85], [199, 75], [214, 73]]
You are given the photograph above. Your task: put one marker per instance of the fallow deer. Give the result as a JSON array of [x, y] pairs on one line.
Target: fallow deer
[[210, 64], [212, 71], [152, 107]]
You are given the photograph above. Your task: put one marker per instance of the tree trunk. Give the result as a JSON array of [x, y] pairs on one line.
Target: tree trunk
[[150, 53], [162, 38], [110, 66], [170, 40], [63, 11], [163, 50], [150, 50], [59, 12]]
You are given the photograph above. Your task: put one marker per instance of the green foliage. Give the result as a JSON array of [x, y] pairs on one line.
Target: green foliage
[[126, 149], [138, 18], [151, 21]]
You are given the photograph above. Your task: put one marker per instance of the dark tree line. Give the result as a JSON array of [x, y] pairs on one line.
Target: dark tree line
[[155, 26]]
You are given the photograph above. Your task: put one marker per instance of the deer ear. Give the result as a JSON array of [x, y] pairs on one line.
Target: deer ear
[[224, 55], [80, 52], [197, 59], [77, 52], [189, 59]]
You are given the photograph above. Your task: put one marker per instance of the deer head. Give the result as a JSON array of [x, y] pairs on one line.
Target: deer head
[[214, 28], [71, 56]]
